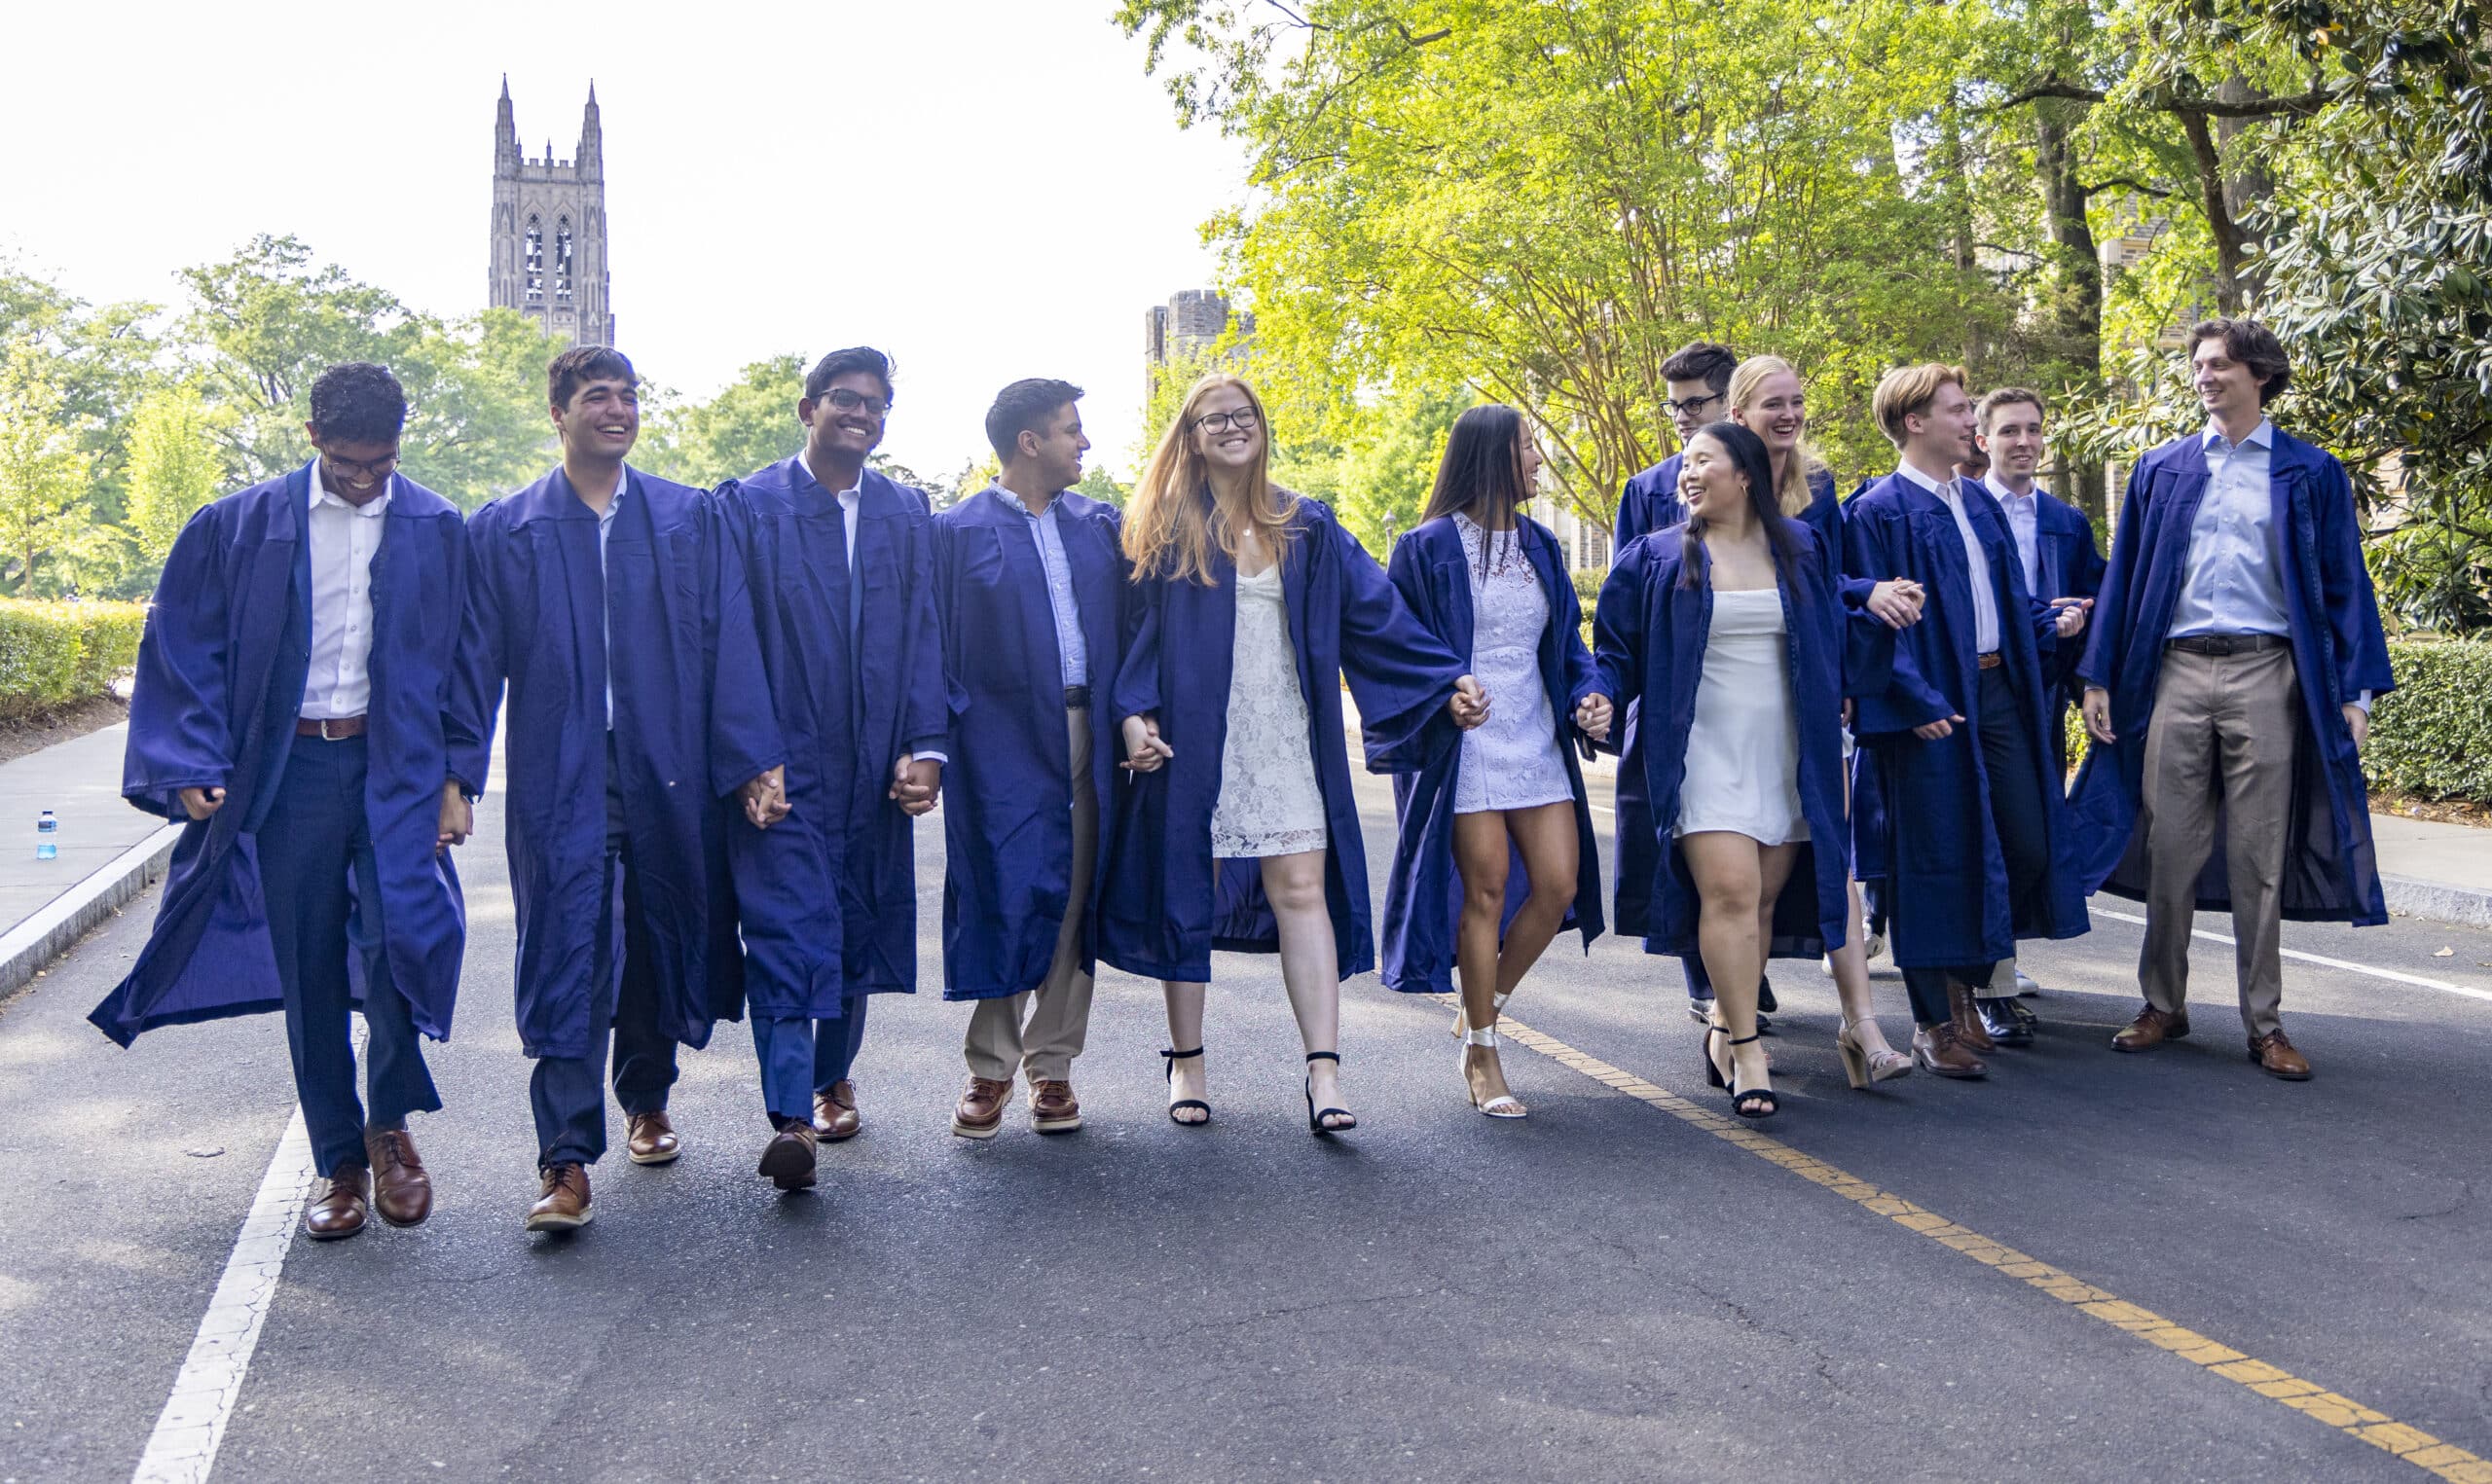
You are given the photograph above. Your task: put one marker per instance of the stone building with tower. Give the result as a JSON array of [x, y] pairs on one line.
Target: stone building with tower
[[548, 240], [1184, 330]]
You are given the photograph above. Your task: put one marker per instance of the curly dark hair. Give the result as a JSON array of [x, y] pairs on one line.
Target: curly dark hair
[[358, 402], [2253, 345]]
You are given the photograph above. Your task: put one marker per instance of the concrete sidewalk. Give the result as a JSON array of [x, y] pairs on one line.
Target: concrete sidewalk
[[2438, 872], [109, 851]]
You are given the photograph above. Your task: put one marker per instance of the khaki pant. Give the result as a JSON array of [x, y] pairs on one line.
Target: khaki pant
[[1041, 1030], [2224, 730]]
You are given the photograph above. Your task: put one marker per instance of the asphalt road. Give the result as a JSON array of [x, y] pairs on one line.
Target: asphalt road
[[1609, 1289]]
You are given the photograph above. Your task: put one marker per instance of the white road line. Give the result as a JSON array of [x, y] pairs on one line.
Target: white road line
[[2323, 960], [182, 1449]]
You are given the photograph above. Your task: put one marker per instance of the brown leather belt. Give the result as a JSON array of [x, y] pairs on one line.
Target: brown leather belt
[[329, 728], [1991, 661], [2222, 645]]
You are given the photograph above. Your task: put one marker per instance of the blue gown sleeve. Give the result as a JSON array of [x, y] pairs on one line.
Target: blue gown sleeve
[[1618, 632], [2345, 587], [744, 724], [462, 747], [1399, 674], [2108, 627], [1631, 522], [926, 716], [1136, 687], [179, 734], [1906, 701], [1583, 677], [484, 660]]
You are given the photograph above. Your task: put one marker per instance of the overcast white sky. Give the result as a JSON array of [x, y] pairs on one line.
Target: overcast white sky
[[987, 189]]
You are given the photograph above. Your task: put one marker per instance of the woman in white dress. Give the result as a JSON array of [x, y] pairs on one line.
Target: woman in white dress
[[1492, 584], [1240, 830]]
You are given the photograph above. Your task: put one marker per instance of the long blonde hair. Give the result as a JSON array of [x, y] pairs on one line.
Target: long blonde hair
[[1175, 515], [1803, 460]]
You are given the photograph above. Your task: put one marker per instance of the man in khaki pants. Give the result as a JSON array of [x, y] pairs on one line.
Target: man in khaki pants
[[2237, 649], [1030, 581]]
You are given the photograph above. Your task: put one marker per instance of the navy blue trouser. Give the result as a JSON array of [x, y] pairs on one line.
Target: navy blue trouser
[[801, 1057], [314, 840], [2017, 818], [568, 1094]]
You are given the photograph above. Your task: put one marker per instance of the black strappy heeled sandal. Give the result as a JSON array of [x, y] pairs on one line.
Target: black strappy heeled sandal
[[1315, 1116], [1753, 1102], [1713, 1068], [1172, 1057]]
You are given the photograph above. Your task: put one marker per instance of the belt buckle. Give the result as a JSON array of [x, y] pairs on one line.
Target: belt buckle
[[324, 731]]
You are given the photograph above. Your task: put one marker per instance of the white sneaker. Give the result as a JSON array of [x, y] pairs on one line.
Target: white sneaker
[[2025, 986]]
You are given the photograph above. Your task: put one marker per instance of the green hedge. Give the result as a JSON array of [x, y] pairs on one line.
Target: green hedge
[[56, 653], [2432, 737]]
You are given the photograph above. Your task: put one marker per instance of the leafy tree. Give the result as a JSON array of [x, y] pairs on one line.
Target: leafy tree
[[476, 425], [45, 519], [1098, 484], [751, 422], [175, 468]]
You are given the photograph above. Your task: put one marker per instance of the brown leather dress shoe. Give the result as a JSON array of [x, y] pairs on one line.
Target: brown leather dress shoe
[[338, 1211], [788, 1160], [835, 1115], [1938, 1049], [402, 1190], [650, 1139], [1053, 1109], [2152, 1029], [980, 1114], [2277, 1057], [1968, 1017], [561, 1204]]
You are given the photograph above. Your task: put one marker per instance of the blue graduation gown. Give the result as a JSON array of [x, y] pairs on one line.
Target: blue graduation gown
[[1648, 502], [1423, 890], [2339, 651], [221, 678], [2072, 568], [828, 895], [1948, 862], [1650, 630], [691, 725], [1168, 903], [1007, 792]]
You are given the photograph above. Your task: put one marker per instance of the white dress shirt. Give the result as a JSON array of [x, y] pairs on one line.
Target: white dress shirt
[[2025, 524], [2236, 573], [343, 540], [1985, 601], [605, 619], [1072, 652]]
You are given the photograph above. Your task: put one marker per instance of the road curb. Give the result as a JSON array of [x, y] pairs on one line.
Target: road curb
[[31, 945], [2438, 902]]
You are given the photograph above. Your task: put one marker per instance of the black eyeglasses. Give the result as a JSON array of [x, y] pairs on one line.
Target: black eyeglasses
[[368, 468], [1692, 405], [1243, 420], [846, 401]]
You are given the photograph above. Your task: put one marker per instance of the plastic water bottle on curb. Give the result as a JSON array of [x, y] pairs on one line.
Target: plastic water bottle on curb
[[47, 837]]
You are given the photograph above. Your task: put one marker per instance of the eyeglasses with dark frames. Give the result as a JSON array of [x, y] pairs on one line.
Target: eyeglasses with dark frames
[[1243, 419]]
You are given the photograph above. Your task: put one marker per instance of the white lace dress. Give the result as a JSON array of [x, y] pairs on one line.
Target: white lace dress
[[1510, 761], [1269, 802]]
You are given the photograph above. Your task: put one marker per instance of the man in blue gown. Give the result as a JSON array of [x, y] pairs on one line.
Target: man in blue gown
[[1030, 582], [839, 563], [611, 604], [293, 710], [2229, 693]]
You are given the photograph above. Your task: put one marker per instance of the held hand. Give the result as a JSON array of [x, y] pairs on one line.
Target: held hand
[[2098, 714], [458, 818], [2071, 620], [199, 803], [1593, 717], [1932, 731], [914, 784], [1896, 603], [2358, 722], [1145, 752], [765, 798], [1468, 705]]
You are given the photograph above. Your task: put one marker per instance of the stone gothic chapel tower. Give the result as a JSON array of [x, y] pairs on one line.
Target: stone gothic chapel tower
[[549, 232]]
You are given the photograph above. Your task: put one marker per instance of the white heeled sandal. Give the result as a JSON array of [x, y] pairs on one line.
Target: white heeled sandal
[[1504, 1104]]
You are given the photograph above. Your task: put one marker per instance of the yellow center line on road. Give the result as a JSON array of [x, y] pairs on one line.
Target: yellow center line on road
[[2447, 1461]]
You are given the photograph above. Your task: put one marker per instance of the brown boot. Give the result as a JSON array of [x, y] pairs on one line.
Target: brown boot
[[979, 1113], [649, 1138], [2277, 1057], [1053, 1109], [835, 1115], [338, 1209], [1939, 1049], [2152, 1029], [402, 1190], [561, 1204], [788, 1161], [1968, 1017]]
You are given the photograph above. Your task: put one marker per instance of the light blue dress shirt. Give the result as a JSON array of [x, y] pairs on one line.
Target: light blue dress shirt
[[1073, 654], [2236, 582], [1977, 566], [606, 624]]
